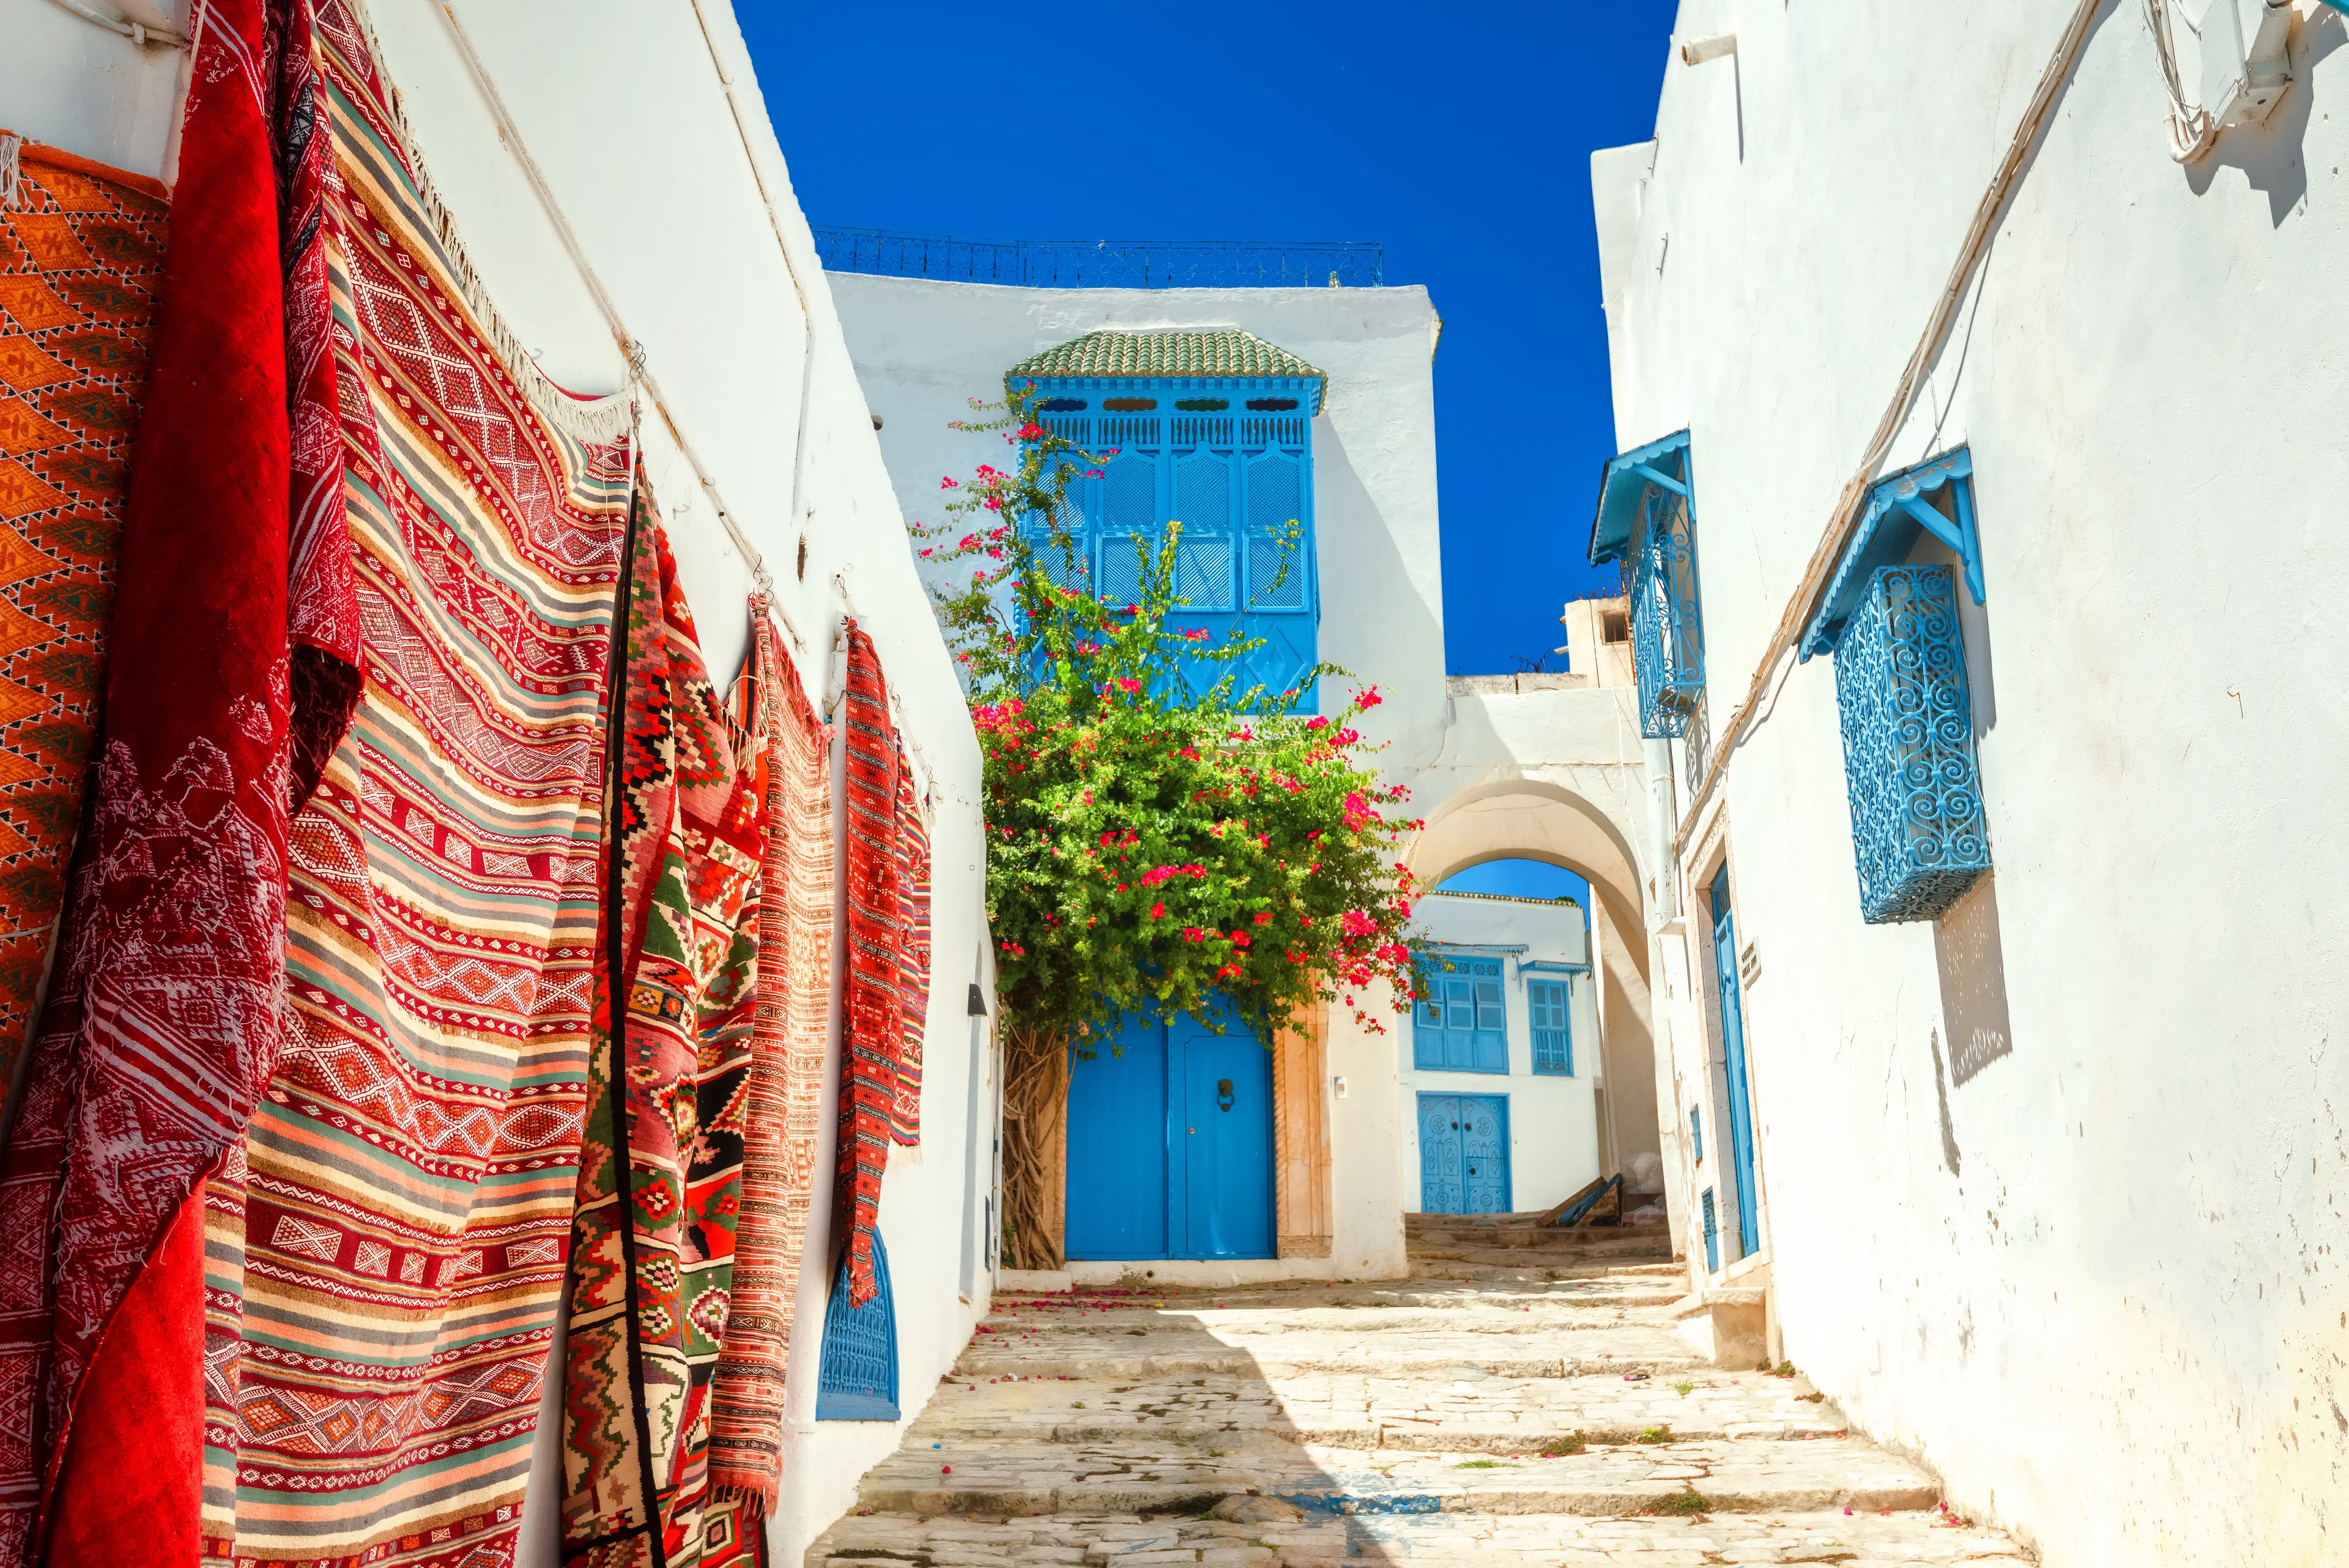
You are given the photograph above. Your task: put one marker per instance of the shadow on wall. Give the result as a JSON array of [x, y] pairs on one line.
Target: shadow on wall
[[1973, 965], [2273, 156]]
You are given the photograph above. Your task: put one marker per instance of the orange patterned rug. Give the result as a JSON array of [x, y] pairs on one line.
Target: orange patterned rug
[[81, 253]]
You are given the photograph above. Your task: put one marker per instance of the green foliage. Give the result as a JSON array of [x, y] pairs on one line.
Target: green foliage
[[1678, 1505], [1158, 834]]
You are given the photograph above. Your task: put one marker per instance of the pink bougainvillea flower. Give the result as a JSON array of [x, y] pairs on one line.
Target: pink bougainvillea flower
[[1128, 685], [1357, 924], [1197, 634], [1367, 697], [1317, 722], [949, 483], [1263, 917], [1158, 911], [1194, 934]]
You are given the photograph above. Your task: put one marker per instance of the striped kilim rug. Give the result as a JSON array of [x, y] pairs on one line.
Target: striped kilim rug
[[875, 1032], [913, 957], [788, 1051], [387, 1259], [660, 1184], [81, 258]]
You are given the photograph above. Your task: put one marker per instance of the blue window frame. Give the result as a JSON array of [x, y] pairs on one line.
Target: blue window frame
[[1919, 838], [1231, 459], [857, 1379], [1646, 525], [1696, 1134], [1553, 1036], [1461, 1024], [1712, 1235]]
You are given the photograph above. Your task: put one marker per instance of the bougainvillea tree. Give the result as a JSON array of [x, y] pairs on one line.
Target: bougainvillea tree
[[1161, 835]]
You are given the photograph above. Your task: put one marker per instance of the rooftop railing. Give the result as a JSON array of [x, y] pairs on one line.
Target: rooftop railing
[[1103, 263]]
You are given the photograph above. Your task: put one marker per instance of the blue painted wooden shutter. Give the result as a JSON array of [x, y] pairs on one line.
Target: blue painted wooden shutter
[[1553, 1041], [1711, 1236], [857, 1379]]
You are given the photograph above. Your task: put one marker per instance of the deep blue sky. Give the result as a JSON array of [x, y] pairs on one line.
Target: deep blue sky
[[1458, 135]]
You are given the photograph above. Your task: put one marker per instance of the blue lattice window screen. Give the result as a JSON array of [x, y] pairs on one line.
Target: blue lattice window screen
[[1696, 1134], [857, 1377], [1553, 1037], [1460, 1025], [1918, 832], [1711, 1236], [1239, 482], [1667, 622]]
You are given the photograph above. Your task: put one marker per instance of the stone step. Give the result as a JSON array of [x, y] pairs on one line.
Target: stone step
[[1233, 1323], [1633, 1245], [1618, 1288], [1145, 1474], [1182, 1347], [1499, 1416], [1525, 1239], [1288, 1535], [1518, 1272]]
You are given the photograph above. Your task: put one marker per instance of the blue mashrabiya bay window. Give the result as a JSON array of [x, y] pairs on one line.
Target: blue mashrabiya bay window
[[1918, 835], [1213, 430], [1646, 525], [1461, 1024]]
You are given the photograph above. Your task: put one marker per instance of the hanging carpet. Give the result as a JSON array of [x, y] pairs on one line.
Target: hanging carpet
[[385, 1250], [874, 1027], [660, 1183], [82, 259], [913, 852], [163, 1017], [785, 1125]]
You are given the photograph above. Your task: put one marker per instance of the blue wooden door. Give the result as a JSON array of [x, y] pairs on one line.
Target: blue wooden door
[[1732, 1040], [1442, 1189], [1117, 1148], [1223, 1091], [1463, 1154], [1170, 1145], [1484, 1152]]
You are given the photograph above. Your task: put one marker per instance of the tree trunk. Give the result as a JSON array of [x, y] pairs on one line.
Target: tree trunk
[[1035, 1145]]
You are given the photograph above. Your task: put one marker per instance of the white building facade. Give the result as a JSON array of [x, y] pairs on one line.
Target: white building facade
[[1499, 1066], [1548, 768], [2033, 1186]]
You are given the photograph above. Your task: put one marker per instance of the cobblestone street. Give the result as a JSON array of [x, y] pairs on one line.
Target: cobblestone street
[[1541, 1413]]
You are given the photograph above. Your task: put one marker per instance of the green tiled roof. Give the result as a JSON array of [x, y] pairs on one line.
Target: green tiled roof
[[1165, 354]]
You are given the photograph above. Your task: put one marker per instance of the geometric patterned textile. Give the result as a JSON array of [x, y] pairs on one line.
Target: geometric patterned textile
[[385, 1258], [660, 1178], [81, 255], [874, 1032], [164, 1014], [788, 1050], [913, 958]]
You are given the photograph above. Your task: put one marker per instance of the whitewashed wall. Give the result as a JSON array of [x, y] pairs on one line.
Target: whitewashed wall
[[2089, 1267], [626, 111], [1554, 1141]]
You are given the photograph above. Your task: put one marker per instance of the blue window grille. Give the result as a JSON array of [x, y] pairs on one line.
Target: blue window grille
[[1696, 1134], [857, 1377], [1460, 1025], [1711, 1236], [1231, 459], [1646, 523], [1918, 835], [1553, 1037]]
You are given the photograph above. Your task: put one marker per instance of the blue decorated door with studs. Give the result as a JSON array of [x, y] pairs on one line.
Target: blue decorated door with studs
[[1463, 1154], [1170, 1144]]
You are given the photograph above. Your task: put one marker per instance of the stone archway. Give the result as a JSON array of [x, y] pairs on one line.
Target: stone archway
[[1533, 818]]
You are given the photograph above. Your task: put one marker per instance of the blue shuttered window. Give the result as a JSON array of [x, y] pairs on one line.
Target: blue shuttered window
[[857, 1377], [1696, 1134], [1553, 1037], [1238, 482], [1711, 1236], [1460, 1025]]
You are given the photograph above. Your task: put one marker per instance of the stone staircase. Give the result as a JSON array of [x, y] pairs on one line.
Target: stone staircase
[[1539, 1420], [1514, 1247]]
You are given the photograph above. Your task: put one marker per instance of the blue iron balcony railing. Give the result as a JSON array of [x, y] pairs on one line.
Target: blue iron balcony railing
[[1103, 263]]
